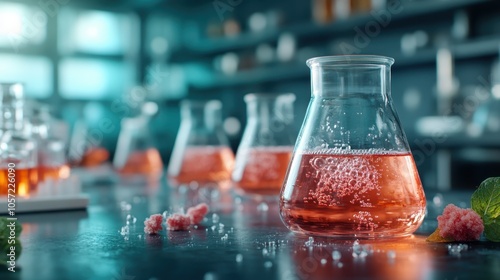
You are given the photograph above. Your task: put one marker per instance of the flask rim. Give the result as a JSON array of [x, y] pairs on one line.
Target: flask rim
[[335, 60]]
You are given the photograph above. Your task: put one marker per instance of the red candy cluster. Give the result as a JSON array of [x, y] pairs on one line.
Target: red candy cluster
[[152, 225], [460, 224], [197, 213], [177, 221]]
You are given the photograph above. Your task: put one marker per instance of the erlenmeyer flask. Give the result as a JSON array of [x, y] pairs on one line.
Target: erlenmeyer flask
[[201, 151], [352, 173], [136, 157], [267, 144]]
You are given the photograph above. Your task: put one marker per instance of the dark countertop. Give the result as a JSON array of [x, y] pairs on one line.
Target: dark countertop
[[88, 244]]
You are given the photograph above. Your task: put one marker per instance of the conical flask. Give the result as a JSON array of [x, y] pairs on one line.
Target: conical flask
[[136, 158], [201, 154], [266, 146], [352, 173]]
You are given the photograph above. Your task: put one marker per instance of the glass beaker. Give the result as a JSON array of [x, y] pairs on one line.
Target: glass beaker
[[352, 173], [18, 165], [52, 161], [266, 147], [136, 158], [201, 151]]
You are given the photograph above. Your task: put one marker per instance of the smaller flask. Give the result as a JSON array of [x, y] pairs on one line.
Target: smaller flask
[[18, 151], [18, 165], [50, 136], [201, 151], [267, 145], [136, 159]]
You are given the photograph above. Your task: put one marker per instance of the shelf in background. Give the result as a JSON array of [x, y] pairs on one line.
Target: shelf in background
[[460, 50], [207, 47]]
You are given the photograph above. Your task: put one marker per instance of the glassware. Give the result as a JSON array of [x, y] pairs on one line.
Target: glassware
[[52, 163], [18, 151], [201, 151], [18, 165], [12, 108], [352, 173], [136, 157], [50, 136], [267, 144]]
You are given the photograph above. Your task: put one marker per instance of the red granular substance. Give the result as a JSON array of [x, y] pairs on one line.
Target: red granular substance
[[178, 222], [152, 225], [197, 213], [460, 224]]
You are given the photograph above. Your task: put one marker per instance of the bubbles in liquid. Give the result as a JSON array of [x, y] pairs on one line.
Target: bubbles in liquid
[[339, 177], [336, 255], [310, 242], [262, 207], [239, 258]]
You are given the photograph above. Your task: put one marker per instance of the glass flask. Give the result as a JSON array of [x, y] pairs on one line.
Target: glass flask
[[352, 173], [18, 165], [136, 159], [50, 136], [52, 162], [18, 150], [266, 146], [201, 153]]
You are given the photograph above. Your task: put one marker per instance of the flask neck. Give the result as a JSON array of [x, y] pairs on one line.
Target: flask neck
[[350, 75], [202, 114]]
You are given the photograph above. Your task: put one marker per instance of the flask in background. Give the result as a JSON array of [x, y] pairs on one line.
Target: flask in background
[[266, 146], [201, 153]]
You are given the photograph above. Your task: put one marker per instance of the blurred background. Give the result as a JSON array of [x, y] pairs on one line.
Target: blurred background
[[98, 60]]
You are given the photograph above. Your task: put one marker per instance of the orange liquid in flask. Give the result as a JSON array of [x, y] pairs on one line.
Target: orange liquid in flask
[[25, 181]]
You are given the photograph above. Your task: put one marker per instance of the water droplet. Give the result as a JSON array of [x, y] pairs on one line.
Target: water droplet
[[210, 276], [125, 206], [215, 218], [213, 228], [265, 252], [239, 258], [124, 231], [262, 207], [268, 264], [456, 249], [165, 214], [225, 237], [340, 265], [310, 242], [391, 254], [437, 200], [323, 261]]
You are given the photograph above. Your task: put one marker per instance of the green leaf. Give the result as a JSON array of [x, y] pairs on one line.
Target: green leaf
[[486, 202], [4, 240]]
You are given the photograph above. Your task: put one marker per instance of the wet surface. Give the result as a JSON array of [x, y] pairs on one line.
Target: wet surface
[[245, 239]]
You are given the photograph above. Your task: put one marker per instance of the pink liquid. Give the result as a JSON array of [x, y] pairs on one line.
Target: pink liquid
[[145, 163], [262, 170], [360, 194], [204, 164]]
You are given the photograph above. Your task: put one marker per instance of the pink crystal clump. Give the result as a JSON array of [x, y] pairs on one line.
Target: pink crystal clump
[[178, 222], [460, 224], [197, 213], [152, 225]]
